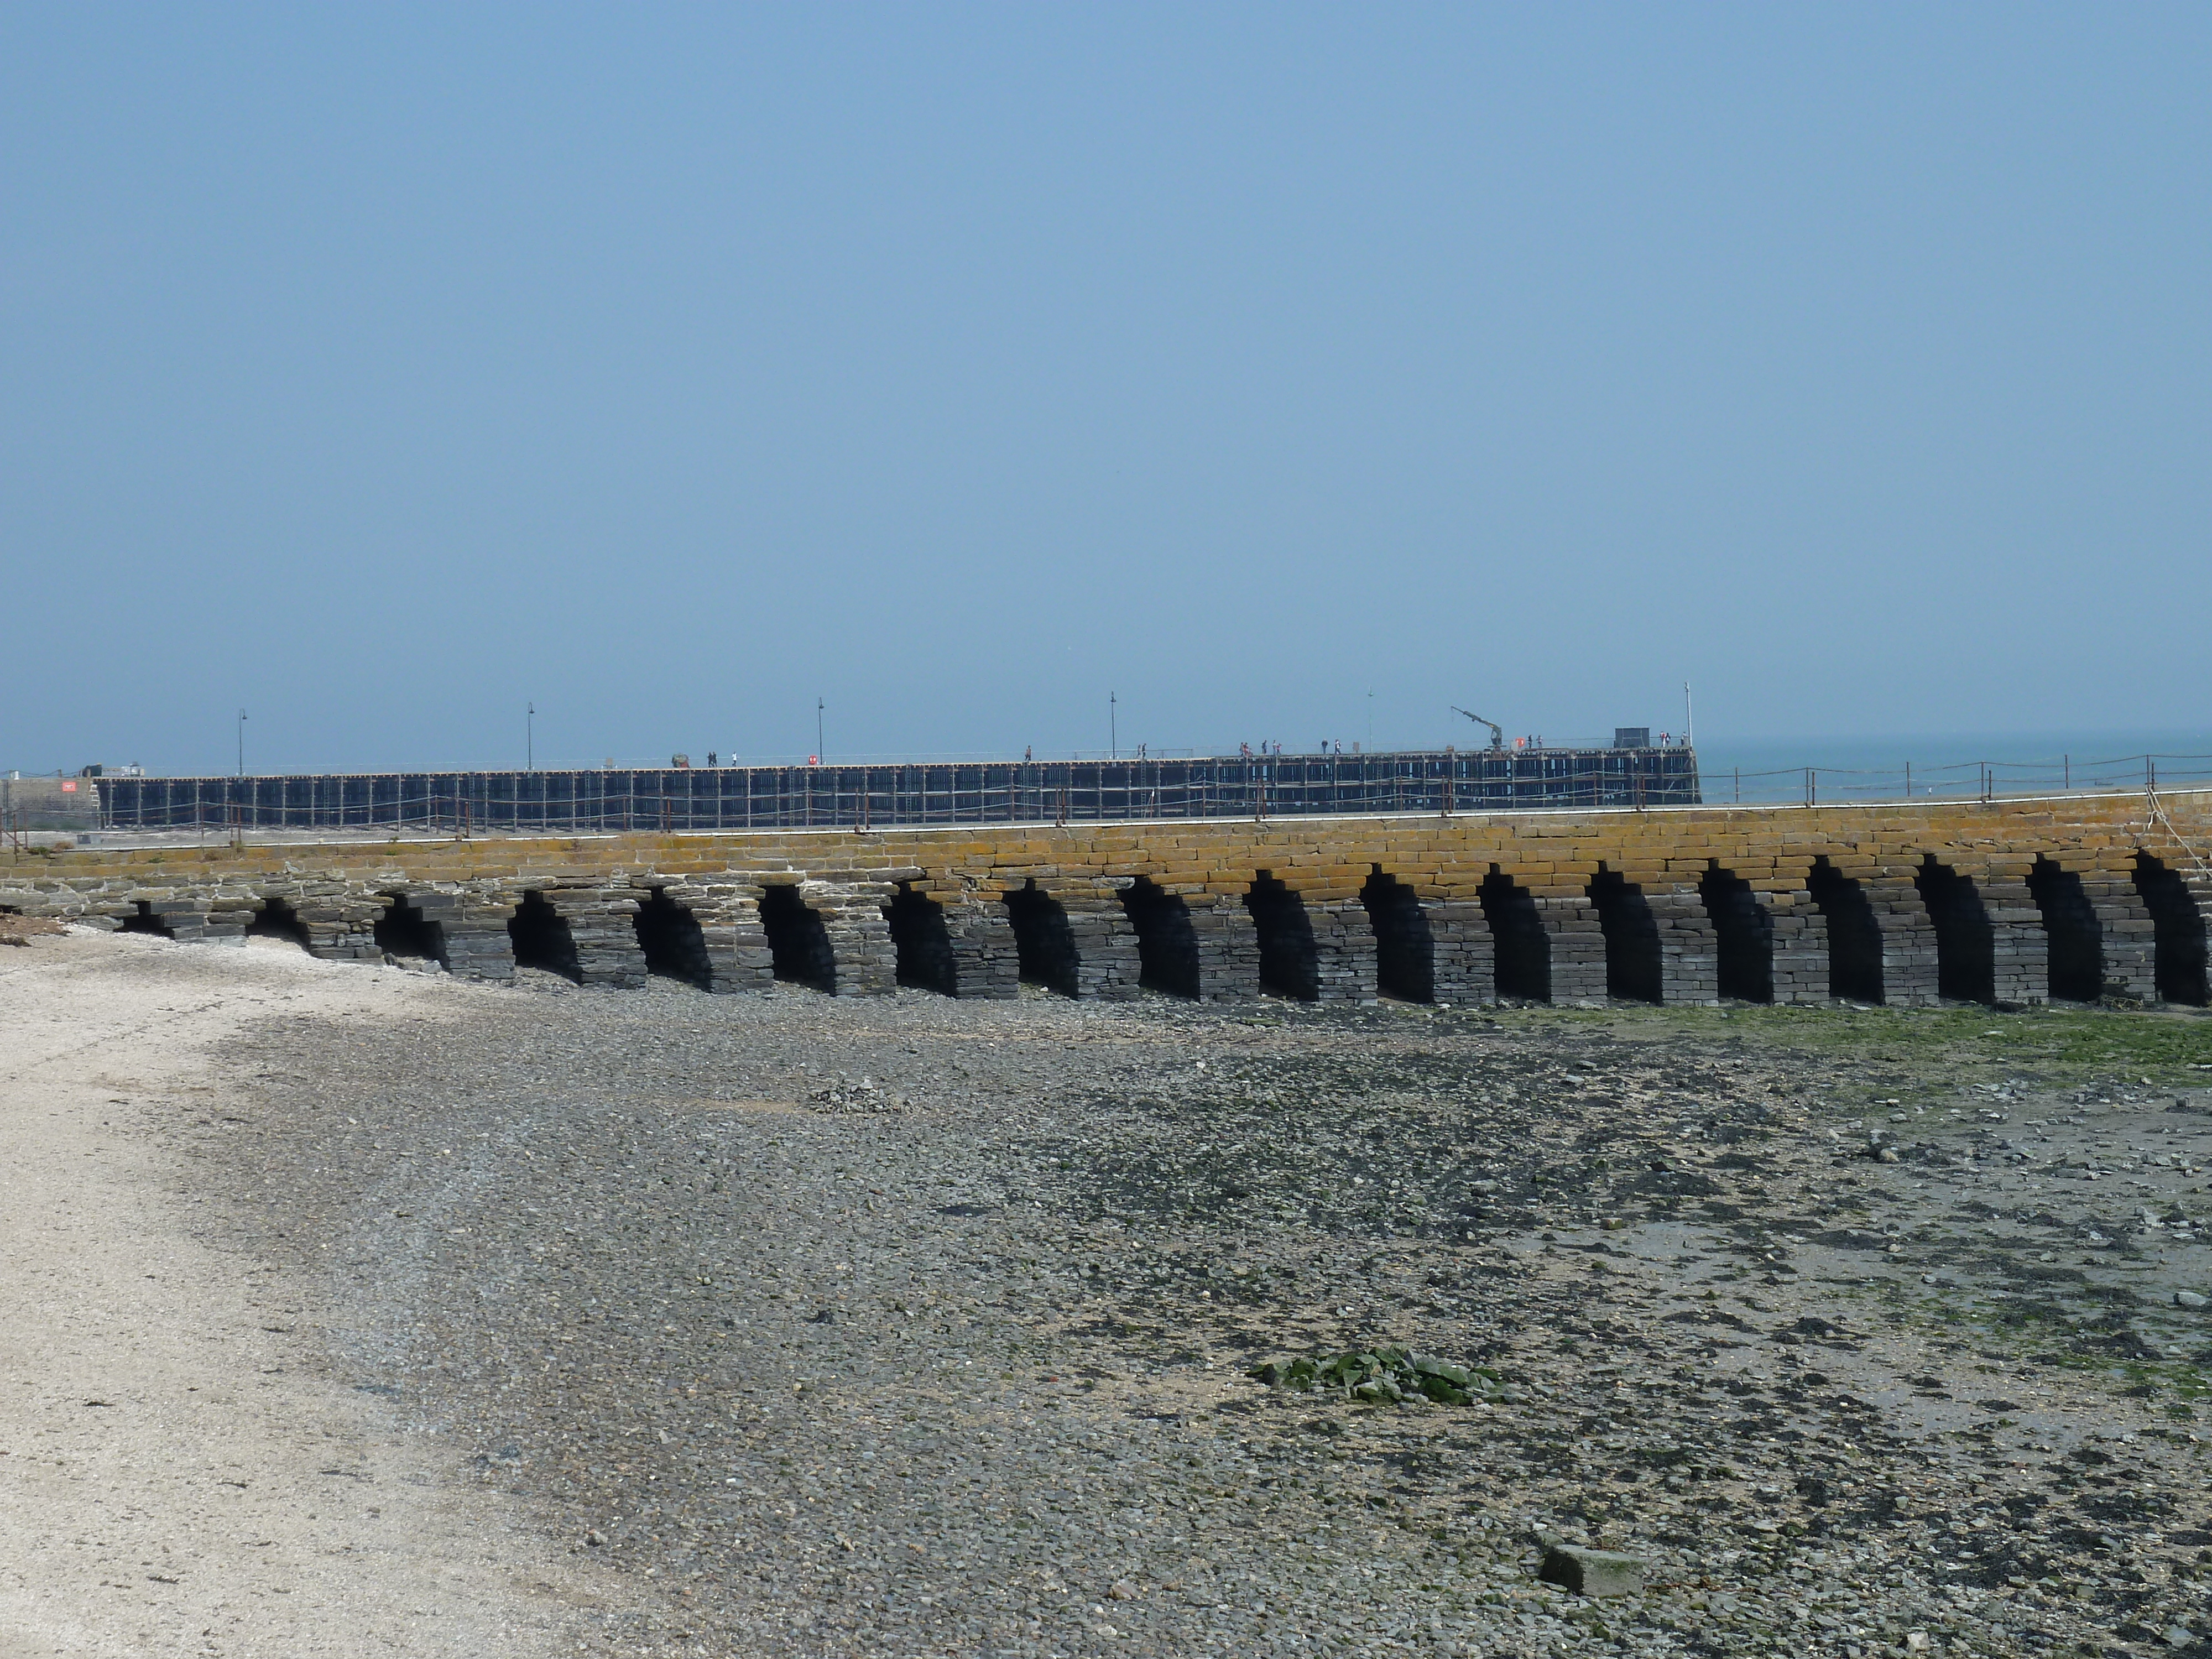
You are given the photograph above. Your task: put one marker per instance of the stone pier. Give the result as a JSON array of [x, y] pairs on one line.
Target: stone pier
[[2007, 903]]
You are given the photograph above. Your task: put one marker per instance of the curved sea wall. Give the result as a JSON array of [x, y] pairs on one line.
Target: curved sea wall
[[2073, 898]]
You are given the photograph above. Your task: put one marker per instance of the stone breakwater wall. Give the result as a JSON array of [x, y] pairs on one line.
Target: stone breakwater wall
[[2009, 901]]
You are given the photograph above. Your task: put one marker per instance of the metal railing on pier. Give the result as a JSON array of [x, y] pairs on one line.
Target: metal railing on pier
[[2060, 774], [892, 795]]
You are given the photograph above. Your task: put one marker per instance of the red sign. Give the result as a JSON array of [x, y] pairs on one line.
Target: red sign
[[68, 786]]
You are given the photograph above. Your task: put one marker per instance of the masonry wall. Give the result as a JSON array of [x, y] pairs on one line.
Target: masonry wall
[[845, 878]]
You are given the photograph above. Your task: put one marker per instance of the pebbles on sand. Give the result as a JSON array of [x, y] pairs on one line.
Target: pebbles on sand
[[910, 1326]]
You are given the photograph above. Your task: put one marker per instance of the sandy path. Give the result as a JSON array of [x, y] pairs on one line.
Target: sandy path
[[178, 1475]]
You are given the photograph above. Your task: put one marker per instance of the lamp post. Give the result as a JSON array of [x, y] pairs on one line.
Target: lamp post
[[529, 739], [819, 756], [1113, 727], [241, 743]]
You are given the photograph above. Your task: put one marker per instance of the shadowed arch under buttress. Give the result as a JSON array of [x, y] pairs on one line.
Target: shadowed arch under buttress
[[1854, 934], [1522, 949], [1404, 950], [1743, 934], [2074, 938], [404, 931], [1044, 944], [2177, 942], [542, 940], [1633, 967], [674, 943], [922, 942], [1167, 944], [1289, 963], [797, 939], [1966, 944]]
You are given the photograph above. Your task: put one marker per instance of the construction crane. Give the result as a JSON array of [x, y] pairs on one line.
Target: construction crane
[[1497, 731]]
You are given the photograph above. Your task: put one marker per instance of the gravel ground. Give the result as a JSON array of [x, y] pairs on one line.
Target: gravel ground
[[912, 1326]]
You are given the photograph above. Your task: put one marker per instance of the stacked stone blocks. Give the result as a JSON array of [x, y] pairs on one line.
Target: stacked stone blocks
[[471, 888]]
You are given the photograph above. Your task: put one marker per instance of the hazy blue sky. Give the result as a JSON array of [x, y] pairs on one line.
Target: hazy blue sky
[[380, 369]]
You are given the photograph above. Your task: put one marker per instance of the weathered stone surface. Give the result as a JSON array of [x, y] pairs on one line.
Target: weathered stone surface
[[1463, 956], [986, 963], [1577, 941], [1799, 949], [1592, 1573]]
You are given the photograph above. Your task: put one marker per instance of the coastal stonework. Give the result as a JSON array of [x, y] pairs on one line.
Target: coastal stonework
[[2019, 902]]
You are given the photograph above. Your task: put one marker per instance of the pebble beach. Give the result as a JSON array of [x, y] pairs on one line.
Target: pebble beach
[[794, 1325]]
